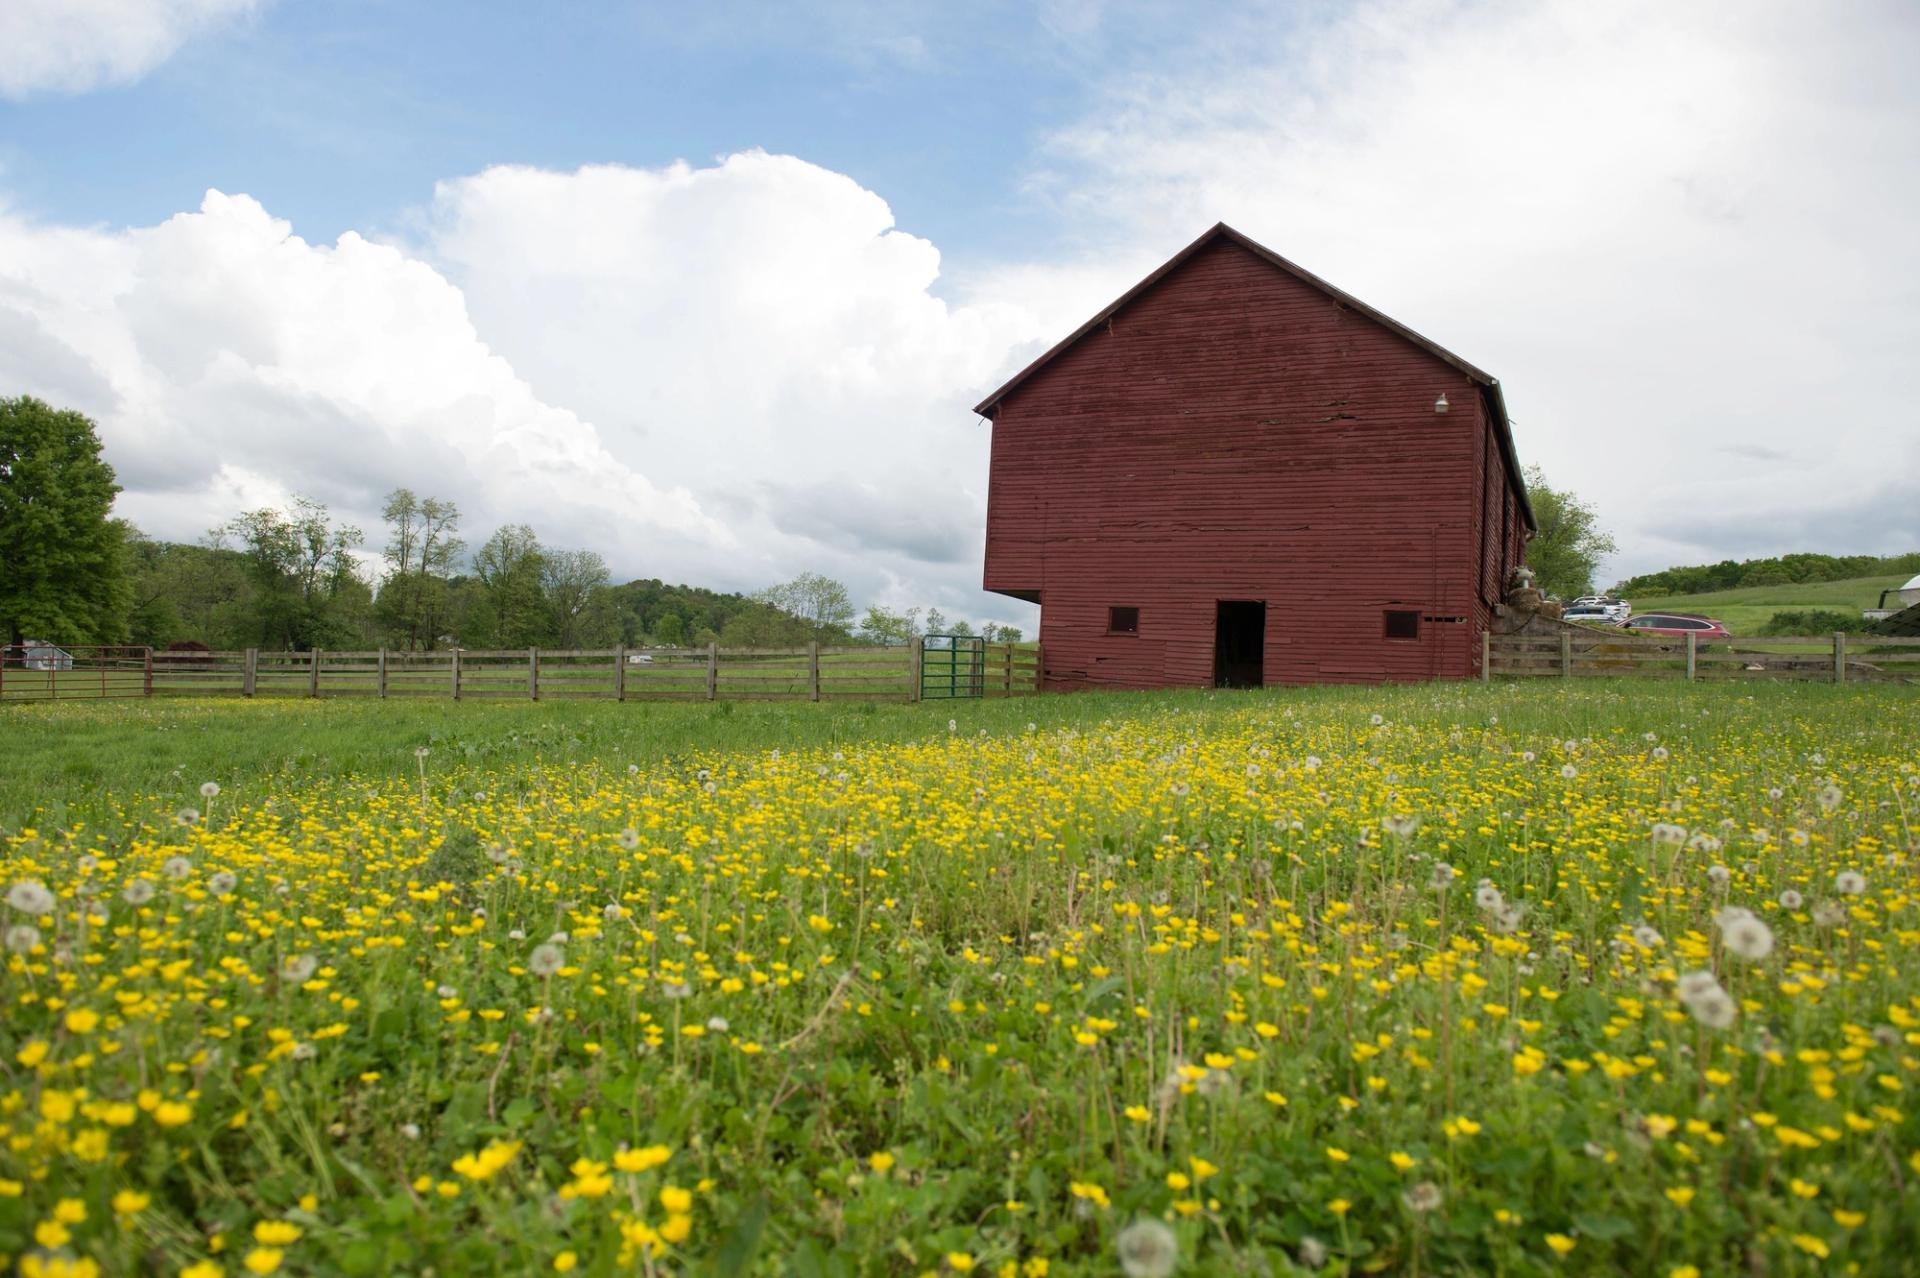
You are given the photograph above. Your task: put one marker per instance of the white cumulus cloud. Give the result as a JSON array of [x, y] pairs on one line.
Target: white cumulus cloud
[[726, 375], [229, 363], [67, 46], [760, 331]]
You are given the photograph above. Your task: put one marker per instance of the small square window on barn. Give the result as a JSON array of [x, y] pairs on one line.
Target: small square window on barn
[[1402, 624], [1123, 621]]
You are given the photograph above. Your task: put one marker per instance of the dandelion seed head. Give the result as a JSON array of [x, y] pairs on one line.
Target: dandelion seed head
[[1748, 938], [1715, 1009], [546, 959], [1147, 1249], [1422, 1197], [30, 896]]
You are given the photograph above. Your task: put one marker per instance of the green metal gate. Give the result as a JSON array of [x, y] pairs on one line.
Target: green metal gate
[[952, 666]]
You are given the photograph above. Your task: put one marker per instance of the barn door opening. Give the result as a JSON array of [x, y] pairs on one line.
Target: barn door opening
[[1239, 643]]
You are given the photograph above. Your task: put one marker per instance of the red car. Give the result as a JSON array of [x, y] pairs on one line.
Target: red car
[[1678, 625]]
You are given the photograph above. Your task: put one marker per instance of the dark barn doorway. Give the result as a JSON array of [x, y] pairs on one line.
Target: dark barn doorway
[[1239, 643]]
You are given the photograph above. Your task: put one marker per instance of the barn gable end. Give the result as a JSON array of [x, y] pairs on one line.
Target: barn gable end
[[1234, 429]]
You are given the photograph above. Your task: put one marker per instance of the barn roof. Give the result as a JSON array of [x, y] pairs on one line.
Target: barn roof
[[1490, 385]]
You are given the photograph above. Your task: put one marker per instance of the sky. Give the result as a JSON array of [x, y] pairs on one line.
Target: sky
[[712, 289]]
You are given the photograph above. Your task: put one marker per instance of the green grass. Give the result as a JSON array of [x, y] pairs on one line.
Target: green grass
[[64, 758], [969, 990], [1746, 610]]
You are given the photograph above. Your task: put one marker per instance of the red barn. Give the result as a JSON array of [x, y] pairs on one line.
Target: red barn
[[1237, 474]]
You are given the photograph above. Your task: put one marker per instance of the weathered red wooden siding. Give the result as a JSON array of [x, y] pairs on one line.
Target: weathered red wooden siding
[[1236, 433]]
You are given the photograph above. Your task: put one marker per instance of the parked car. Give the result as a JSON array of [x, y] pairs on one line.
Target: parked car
[[1678, 624], [1606, 607]]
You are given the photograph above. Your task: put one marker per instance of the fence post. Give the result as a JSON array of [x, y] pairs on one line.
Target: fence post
[[313, 675], [1693, 656], [813, 670], [620, 673], [1486, 655], [456, 674], [250, 673], [914, 653], [382, 677], [1566, 655], [533, 674], [146, 674], [713, 670], [1039, 668], [1840, 656]]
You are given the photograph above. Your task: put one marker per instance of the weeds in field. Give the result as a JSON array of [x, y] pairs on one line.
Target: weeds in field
[[1373, 983]]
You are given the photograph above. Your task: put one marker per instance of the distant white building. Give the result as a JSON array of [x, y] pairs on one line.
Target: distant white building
[[39, 655]]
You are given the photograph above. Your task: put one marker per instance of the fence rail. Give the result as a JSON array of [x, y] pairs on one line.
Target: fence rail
[[711, 673], [1578, 653]]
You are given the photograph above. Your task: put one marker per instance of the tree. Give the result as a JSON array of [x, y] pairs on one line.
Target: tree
[[819, 601], [888, 628], [183, 591], [307, 591], [570, 578], [421, 551], [1566, 552], [62, 573], [509, 566]]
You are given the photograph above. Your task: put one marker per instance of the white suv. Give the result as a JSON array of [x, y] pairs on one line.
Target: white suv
[[1599, 608]]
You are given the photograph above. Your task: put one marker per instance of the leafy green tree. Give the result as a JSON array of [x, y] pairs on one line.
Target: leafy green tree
[[62, 554], [888, 628], [509, 567], [306, 589], [1566, 552], [570, 578], [183, 591], [820, 602], [421, 552]]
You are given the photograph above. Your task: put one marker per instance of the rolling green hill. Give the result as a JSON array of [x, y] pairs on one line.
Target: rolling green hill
[[1747, 609]]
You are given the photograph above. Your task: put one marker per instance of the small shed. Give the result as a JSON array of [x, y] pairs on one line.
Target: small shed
[[1237, 474]]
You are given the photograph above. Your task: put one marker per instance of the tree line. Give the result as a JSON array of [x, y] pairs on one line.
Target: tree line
[[1780, 570], [296, 577]]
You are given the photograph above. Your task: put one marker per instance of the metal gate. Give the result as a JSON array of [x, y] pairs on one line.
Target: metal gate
[[37, 671], [952, 666]]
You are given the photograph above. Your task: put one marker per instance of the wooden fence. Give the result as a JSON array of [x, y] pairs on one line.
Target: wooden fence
[[711, 673], [1580, 652]]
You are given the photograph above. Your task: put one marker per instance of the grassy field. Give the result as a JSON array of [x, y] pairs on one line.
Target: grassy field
[[1605, 978], [1746, 610]]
